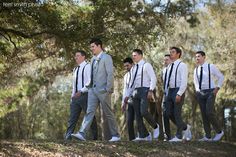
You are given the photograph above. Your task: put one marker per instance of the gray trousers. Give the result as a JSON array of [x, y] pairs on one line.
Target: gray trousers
[[172, 111], [94, 97], [206, 100], [130, 121], [131, 116], [140, 104], [76, 106], [166, 119]]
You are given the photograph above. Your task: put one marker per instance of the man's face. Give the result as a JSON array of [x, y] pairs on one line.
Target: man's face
[[79, 58], [173, 54], [199, 58], [167, 60], [136, 57], [127, 66], [96, 49]]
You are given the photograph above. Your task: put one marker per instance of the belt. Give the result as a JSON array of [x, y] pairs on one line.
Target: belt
[[206, 90], [174, 88]]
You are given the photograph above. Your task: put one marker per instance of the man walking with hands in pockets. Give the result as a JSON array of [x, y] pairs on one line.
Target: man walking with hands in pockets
[[101, 87]]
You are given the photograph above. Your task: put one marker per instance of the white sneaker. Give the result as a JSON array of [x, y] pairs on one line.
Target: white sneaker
[[156, 132], [148, 138], [114, 139], [187, 135], [218, 136], [79, 136], [136, 139], [175, 139], [205, 139]]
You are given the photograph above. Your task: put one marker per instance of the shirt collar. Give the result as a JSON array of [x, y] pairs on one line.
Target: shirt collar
[[203, 65], [177, 61], [99, 55], [141, 62], [82, 64]]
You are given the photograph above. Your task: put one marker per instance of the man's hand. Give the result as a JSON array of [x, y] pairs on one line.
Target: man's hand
[[123, 107], [126, 100], [215, 91], [177, 98], [150, 95], [78, 94]]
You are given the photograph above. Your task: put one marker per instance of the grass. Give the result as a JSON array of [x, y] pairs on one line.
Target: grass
[[124, 148]]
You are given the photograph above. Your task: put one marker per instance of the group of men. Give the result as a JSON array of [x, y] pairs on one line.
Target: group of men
[[93, 85]]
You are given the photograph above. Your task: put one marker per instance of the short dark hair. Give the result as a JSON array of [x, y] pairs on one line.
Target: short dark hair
[[201, 52], [82, 52], [96, 41], [167, 55], [178, 50], [138, 51], [128, 60]]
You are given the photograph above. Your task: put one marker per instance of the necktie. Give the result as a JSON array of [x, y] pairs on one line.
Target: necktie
[[171, 69], [134, 76], [165, 79], [200, 82], [76, 81]]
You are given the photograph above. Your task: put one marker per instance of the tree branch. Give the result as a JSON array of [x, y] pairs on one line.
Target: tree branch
[[19, 33], [12, 41]]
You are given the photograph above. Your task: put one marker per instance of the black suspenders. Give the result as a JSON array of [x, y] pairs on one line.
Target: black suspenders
[[209, 71], [142, 75]]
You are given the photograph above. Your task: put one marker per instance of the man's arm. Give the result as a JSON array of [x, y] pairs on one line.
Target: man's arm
[[184, 78], [219, 76], [184, 81], [150, 72], [87, 74], [195, 80], [109, 71]]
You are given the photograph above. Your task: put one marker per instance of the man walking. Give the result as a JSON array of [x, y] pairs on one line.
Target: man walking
[[101, 87], [128, 64], [81, 77], [206, 94], [166, 122], [177, 75], [142, 84]]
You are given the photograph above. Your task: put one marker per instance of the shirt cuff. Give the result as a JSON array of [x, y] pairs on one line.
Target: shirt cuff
[[84, 90], [179, 93]]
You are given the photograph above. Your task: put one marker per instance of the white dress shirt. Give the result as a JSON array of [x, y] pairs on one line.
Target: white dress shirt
[[181, 76], [214, 73], [163, 73], [87, 72], [149, 77], [126, 82], [99, 55]]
